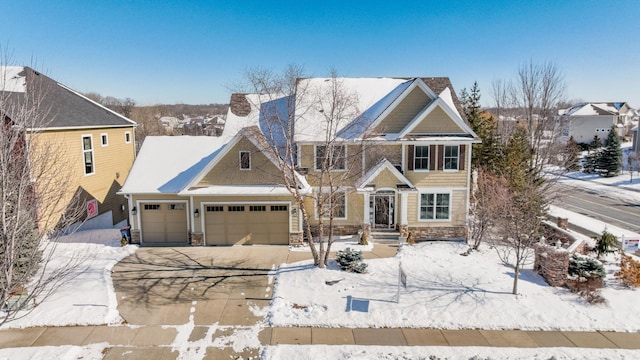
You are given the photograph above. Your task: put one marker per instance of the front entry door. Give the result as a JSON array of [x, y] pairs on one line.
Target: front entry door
[[383, 206]]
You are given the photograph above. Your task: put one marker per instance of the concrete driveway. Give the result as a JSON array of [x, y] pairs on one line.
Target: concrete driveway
[[165, 286]]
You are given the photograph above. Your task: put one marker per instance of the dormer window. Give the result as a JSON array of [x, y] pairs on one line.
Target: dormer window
[[245, 160]]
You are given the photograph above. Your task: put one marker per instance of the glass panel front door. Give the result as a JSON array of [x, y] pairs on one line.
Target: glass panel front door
[[383, 206]]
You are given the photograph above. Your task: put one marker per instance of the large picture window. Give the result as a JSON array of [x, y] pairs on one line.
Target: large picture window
[[334, 205], [336, 160], [435, 206], [421, 158], [451, 157], [87, 155]]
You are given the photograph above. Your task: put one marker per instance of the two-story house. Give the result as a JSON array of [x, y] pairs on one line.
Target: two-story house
[[79, 148], [399, 160], [583, 121]]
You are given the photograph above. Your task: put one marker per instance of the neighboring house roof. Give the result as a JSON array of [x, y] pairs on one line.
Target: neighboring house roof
[[63, 107], [596, 108]]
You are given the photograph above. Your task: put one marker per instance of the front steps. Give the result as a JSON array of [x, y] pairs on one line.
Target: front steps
[[384, 237]]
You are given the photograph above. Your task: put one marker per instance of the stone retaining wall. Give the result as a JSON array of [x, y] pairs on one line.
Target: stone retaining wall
[[552, 263]]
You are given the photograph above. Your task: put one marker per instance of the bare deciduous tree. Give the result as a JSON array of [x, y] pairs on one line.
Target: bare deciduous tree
[[485, 203], [280, 96], [518, 220], [35, 188], [148, 122], [537, 91]]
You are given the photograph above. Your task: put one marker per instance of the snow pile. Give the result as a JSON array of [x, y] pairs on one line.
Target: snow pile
[[444, 290], [87, 297]]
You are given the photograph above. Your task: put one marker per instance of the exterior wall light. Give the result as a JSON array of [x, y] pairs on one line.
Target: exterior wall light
[[196, 213]]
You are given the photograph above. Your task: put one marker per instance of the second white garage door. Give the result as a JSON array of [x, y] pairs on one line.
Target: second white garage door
[[247, 224]]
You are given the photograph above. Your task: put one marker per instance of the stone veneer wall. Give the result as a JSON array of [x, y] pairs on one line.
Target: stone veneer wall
[[423, 233], [135, 236], [196, 239], [338, 229], [296, 238], [552, 263]]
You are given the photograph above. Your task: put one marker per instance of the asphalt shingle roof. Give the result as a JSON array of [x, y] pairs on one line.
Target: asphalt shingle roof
[[65, 108]]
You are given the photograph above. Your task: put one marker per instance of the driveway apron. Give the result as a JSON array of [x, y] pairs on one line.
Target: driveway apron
[[162, 285]]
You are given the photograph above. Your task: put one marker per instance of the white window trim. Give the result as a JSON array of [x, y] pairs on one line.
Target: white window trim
[[315, 158], [125, 137], [93, 155], [106, 137], [414, 159], [346, 204], [444, 151], [240, 160], [435, 192]]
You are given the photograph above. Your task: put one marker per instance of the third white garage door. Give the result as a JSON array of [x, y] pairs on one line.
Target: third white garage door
[[247, 224]]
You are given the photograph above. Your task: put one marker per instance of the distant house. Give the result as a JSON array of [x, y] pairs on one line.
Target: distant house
[[583, 121], [635, 146], [407, 148], [93, 145]]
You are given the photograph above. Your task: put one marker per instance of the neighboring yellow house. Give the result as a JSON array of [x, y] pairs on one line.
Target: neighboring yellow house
[[401, 164], [81, 147]]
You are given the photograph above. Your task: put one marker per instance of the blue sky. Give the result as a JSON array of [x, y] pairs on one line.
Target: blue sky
[[193, 51]]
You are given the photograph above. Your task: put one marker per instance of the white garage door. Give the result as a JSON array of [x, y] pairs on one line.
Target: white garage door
[[247, 224], [164, 223]]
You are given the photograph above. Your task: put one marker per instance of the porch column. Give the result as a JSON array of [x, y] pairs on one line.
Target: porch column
[[366, 218], [404, 197]]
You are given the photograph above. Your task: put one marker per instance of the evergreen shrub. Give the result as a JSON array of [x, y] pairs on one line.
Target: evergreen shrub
[[351, 261]]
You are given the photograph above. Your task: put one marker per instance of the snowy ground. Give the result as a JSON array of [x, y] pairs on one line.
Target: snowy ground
[[348, 352], [444, 290], [88, 298]]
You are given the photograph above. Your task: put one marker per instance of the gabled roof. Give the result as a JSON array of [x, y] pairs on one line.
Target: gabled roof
[[370, 175], [595, 109], [65, 108], [372, 98], [167, 164], [442, 104], [270, 113], [176, 164]]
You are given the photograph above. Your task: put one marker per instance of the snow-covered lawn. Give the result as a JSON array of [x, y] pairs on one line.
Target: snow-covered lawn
[[444, 290], [349, 352], [88, 297]]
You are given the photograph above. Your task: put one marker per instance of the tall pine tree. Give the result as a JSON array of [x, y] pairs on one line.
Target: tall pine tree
[[487, 154], [610, 158]]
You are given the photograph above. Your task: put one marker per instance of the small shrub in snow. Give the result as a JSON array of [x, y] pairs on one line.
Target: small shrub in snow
[[629, 272], [351, 261], [585, 267], [606, 243], [586, 278]]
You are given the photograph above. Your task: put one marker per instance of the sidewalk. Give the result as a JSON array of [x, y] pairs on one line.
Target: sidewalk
[[161, 336]]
